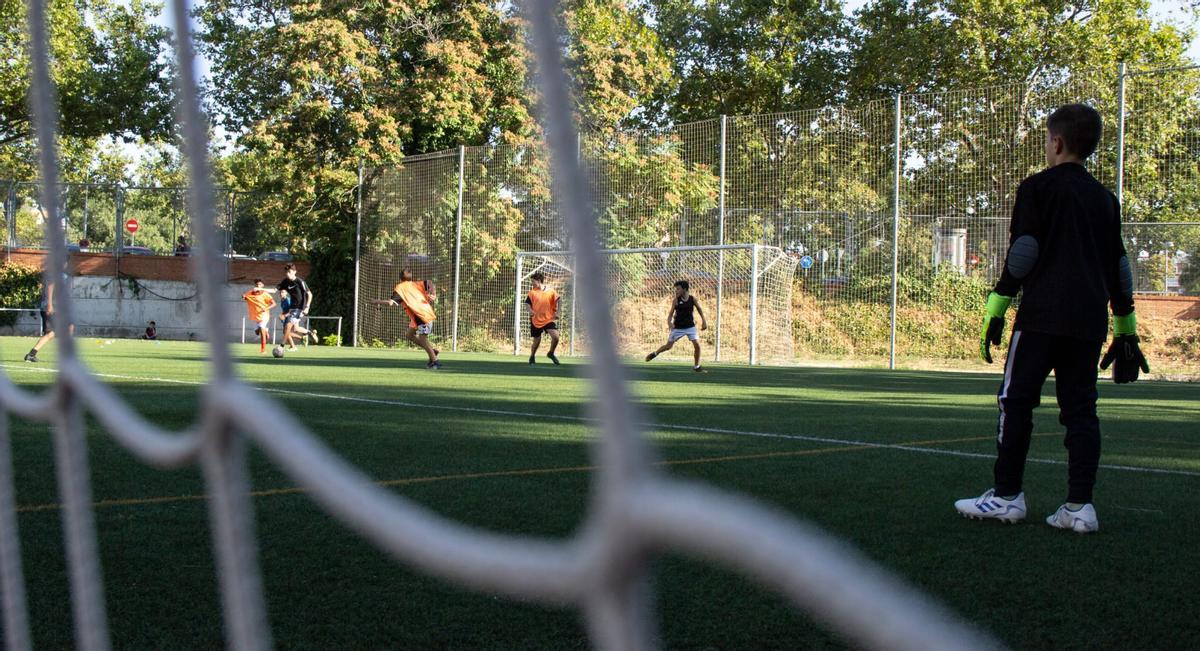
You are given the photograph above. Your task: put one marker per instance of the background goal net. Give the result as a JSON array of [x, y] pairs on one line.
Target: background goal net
[[745, 291]]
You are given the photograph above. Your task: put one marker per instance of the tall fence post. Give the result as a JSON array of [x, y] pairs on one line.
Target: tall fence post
[[720, 236], [517, 307], [358, 209], [1120, 181], [462, 158], [574, 301], [10, 214], [895, 232], [119, 227], [754, 305]]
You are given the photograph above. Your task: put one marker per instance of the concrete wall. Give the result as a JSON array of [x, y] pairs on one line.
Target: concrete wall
[[108, 307]]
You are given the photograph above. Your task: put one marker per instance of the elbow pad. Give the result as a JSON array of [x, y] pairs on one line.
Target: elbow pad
[[1022, 256]]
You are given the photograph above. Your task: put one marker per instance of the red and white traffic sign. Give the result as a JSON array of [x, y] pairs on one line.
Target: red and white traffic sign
[[131, 225]]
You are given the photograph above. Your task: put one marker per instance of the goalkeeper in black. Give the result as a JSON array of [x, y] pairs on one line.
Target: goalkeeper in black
[[1066, 258]]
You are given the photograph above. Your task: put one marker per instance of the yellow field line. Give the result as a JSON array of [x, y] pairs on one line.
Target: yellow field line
[[527, 472]]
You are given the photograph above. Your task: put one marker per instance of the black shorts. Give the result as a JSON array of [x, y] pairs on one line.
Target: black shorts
[[535, 331], [47, 322]]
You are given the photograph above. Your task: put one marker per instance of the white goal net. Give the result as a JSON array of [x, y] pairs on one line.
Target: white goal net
[[744, 291]]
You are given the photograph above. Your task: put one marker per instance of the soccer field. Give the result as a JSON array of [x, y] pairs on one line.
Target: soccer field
[[872, 456]]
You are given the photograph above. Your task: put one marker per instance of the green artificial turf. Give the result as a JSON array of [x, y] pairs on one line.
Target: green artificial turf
[[1132, 584]]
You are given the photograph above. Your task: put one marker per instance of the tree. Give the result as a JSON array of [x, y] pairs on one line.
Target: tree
[[750, 56], [111, 71]]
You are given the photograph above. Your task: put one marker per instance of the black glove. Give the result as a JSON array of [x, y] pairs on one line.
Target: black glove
[[1126, 358]]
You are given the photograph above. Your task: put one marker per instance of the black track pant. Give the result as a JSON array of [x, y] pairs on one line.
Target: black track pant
[[1031, 357]]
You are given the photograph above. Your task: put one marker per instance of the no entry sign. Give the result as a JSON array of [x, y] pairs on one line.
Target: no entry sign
[[131, 225]]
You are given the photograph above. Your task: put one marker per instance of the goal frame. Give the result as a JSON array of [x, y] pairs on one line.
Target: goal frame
[[756, 272]]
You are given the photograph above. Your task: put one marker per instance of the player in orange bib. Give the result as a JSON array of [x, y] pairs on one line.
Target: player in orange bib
[[416, 297], [543, 310], [259, 304]]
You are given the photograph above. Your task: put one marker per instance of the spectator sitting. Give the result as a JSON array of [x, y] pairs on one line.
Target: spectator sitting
[[181, 247], [151, 331], [84, 244]]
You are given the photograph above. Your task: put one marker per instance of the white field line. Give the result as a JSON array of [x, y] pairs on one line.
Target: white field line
[[648, 426]]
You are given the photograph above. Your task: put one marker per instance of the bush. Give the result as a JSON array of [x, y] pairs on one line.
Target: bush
[[331, 340], [20, 287]]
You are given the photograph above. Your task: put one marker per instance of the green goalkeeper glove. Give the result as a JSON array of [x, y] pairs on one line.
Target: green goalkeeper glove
[[1124, 355], [993, 324]]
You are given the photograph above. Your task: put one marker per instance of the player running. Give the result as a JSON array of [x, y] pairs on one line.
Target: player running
[[46, 307], [299, 300], [416, 297], [1066, 257], [543, 310], [682, 323], [259, 304]]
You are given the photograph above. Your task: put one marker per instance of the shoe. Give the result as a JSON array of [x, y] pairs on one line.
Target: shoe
[[699, 369], [532, 360], [434, 365], [553, 358], [990, 507], [312, 336], [651, 356], [257, 331], [31, 357], [1081, 521], [292, 349]]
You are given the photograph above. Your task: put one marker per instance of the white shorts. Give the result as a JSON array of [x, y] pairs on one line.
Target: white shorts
[[266, 321], [679, 333], [425, 329]]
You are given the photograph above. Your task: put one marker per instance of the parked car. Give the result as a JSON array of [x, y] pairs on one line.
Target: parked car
[[277, 256], [136, 250]]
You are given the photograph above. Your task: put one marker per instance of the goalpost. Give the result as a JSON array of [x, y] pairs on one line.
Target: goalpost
[[745, 291]]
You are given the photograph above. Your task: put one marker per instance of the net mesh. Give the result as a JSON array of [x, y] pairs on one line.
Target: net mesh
[[602, 570], [744, 293]]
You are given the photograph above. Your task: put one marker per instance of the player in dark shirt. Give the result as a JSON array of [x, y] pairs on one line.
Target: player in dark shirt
[[1066, 257], [299, 300], [681, 323]]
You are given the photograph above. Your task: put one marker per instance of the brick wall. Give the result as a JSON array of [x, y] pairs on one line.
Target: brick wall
[[156, 267]]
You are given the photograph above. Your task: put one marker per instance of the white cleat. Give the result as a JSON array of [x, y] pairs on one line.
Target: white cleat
[[990, 507], [1082, 521]]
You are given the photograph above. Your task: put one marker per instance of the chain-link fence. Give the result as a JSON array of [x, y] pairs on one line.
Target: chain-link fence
[[97, 218], [895, 211]]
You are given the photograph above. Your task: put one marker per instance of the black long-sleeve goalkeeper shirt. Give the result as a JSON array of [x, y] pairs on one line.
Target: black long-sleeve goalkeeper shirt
[[1075, 270]]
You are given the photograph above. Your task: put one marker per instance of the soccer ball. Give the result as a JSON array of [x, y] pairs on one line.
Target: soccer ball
[[277, 351]]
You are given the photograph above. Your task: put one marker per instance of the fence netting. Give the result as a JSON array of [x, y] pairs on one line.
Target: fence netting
[[602, 570], [821, 185]]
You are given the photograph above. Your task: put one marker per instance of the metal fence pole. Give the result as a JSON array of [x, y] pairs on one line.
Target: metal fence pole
[[895, 233], [1121, 134], [358, 255], [720, 238], [754, 305], [10, 214], [517, 307], [119, 228], [571, 342], [458, 219]]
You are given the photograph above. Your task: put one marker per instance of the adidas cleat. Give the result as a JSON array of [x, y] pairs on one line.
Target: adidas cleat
[[991, 507], [553, 358], [1082, 521]]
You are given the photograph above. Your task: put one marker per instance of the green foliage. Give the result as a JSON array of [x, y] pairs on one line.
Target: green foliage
[[331, 340], [112, 74], [20, 287], [476, 340], [749, 56]]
